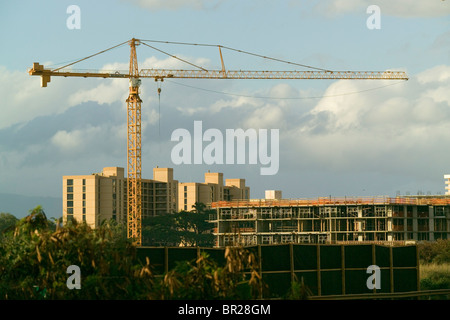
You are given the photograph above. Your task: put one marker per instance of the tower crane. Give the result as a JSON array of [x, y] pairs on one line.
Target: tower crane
[[134, 102]]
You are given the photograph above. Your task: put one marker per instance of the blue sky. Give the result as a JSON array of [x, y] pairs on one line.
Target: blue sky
[[361, 138]]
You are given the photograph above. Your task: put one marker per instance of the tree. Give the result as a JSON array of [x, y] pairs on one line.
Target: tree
[[7, 222], [187, 228]]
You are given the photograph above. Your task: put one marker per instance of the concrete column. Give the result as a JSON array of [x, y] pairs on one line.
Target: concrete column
[[448, 227], [415, 224], [405, 223], [359, 224], [389, 220], [431, 222]]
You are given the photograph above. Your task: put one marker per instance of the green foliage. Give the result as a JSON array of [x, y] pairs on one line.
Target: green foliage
[[435, 283], [435, 276], [434, 265], [35, 255], [34, 260], [187, 228], [299, 291], [7, 222], [203, 279], [434, 251]]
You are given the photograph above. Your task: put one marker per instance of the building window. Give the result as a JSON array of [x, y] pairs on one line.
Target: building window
[[70, 196], [69, 210], [69, 204], [84, 210], [69, 189], [84, 182], [70, 182], [84, 196]]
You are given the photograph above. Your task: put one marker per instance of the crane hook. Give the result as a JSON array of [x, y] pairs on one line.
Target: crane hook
[[159, 85]]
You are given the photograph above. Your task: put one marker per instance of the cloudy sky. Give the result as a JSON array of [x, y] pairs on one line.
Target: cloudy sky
[[338, 138]]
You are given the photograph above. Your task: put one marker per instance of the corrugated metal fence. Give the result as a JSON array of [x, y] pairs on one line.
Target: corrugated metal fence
[[326, 269]]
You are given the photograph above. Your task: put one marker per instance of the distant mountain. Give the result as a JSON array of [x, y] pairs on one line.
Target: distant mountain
[[20, 205]]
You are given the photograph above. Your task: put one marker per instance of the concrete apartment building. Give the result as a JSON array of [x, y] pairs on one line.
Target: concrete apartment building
[[212, 190], [447, 184], [331, 220], [102, 196]]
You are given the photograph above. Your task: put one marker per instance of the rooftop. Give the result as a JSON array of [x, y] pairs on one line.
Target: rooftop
[[401, 200]]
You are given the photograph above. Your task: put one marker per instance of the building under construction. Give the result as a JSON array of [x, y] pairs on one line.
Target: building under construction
[[331, 220]]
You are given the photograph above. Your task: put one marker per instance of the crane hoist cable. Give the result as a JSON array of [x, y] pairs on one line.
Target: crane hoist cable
[[237, 50], [159, 112], [172, 56], [285, 98]]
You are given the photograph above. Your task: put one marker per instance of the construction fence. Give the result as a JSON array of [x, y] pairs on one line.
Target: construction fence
[[326, 269]]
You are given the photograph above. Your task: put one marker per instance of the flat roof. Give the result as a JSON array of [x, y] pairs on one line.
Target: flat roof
[[377, 200]]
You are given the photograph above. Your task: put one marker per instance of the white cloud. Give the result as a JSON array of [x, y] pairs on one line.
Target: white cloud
[[400, 128], [76, 140], [399, 8], [116, 90], [439, 73], [67, 140], [268, 117], [23, 99], [105, 93], [234, 103]]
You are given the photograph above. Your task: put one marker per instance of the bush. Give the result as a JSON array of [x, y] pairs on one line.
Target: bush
[[35, 255], [203, 279], [434, 251], [34, 261], [435, 276]]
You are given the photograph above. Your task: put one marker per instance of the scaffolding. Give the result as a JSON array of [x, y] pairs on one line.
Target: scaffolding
[[331, 220]]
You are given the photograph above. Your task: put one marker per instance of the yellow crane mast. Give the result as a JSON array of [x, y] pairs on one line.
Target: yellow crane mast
[[134, 102], [134, 142]]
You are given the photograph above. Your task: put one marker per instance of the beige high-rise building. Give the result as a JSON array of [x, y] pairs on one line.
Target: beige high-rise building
[[447, 183], [212, 190], [103, 196]]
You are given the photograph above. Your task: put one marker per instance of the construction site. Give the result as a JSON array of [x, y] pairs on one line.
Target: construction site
[[329, 243], [134, 102], [382, 220]]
